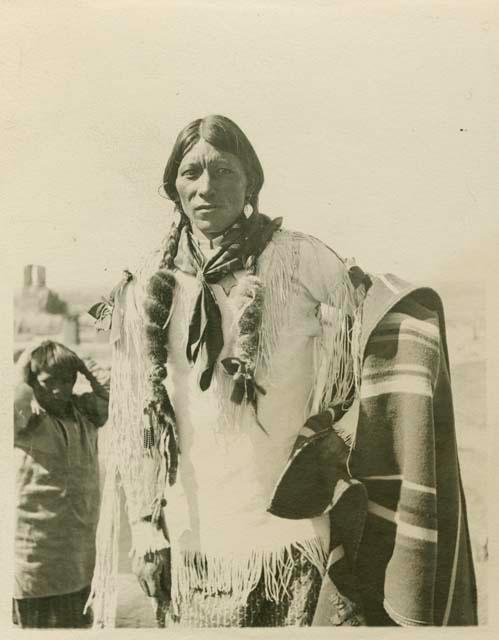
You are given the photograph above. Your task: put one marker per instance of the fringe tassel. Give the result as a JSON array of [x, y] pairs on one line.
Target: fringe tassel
[[238, 576], [278, 274], [103, 597], [147, 538], [355, 345], [337, 351]]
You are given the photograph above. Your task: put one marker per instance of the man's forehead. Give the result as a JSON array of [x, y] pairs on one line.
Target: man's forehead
[[203, 152]]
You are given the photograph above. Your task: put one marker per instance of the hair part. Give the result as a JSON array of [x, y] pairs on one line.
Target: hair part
[[55, 358], [224, 135]]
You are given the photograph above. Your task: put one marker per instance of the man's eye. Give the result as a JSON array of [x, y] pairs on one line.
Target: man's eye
[[223, 171]]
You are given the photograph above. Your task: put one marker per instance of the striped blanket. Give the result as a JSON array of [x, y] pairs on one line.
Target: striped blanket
[[400, 547]]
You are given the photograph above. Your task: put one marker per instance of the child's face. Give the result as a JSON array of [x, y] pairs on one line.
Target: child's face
[[54, 389]]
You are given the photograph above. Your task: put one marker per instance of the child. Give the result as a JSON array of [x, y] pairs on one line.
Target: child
[[57, 486]]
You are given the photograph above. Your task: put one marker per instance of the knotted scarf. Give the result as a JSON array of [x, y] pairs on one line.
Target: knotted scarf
[[240, 245]]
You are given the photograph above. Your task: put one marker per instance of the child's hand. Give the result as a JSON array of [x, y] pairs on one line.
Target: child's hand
[[35, 407], [98, 387], [23, 365], [84, 370]]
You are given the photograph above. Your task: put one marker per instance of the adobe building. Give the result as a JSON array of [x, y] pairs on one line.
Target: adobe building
[[40, 312]]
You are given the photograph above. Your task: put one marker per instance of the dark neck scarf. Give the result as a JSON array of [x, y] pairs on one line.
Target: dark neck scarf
[[240, 245]]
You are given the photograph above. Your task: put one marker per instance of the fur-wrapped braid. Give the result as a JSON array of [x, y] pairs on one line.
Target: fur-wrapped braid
[[161, 430], [249, 296]]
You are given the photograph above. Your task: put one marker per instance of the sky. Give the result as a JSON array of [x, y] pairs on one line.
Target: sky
[[376, 125]]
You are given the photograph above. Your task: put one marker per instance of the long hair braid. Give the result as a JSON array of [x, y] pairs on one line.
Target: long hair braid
[[161, 430]]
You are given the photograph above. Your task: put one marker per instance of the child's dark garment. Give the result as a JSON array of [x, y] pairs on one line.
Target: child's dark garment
[[52, 611], [57, 508]]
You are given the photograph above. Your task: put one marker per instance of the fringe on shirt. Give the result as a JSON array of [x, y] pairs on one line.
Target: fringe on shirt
[[239, 574]]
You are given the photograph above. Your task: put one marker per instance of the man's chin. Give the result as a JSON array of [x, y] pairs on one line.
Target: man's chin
[[212, 228], [208, 226]]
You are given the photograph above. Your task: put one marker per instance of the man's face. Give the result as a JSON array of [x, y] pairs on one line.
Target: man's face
[[212, 188]]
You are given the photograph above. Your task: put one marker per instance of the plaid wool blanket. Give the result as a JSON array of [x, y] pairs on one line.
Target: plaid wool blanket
[[400, 547]]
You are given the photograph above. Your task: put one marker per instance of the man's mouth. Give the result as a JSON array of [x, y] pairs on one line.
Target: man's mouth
[[205, 208]]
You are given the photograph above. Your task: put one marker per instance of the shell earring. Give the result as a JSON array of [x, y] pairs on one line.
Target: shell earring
[[248, 209]]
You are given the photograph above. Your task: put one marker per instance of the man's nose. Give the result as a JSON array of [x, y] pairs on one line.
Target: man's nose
[[205, 184]]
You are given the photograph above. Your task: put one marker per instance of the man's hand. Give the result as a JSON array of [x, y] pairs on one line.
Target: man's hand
[[153, 573]]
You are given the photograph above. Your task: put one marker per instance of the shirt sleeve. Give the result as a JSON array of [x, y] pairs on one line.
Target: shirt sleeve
[[25, 408], [324, 274], [95, 404], [325, 277], [94, 407]]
